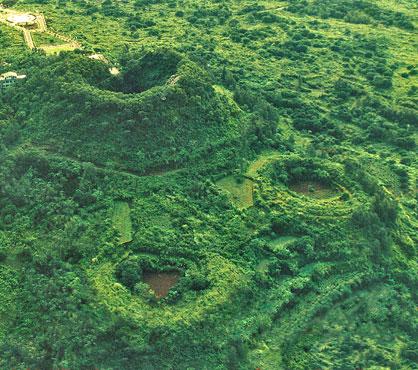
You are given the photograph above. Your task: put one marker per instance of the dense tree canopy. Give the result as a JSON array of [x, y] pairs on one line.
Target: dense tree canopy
[[254, 161]]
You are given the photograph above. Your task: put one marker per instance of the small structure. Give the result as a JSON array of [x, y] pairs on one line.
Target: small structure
[[99, 57], [22, 20], [114, 71], [9, 78]]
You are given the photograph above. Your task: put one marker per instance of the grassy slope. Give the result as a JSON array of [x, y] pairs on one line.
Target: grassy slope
[[122, 221]]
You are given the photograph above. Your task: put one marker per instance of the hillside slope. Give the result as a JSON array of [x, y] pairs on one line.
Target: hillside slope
[[241, 195]]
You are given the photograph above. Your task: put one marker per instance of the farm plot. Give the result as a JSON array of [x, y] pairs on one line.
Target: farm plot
[[121, 220]]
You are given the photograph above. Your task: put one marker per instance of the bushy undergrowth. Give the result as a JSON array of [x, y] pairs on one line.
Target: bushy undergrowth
[[308, 109]]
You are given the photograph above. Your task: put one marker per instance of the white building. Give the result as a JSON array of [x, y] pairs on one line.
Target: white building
[[9, 78], [22, 20]]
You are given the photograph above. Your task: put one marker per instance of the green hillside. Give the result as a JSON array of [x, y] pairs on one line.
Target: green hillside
[[209, 184]]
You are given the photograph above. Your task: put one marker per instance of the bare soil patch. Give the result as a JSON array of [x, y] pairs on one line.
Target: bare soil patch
[[161, 282]]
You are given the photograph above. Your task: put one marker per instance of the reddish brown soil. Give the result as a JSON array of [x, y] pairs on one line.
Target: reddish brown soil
[[161, 282]]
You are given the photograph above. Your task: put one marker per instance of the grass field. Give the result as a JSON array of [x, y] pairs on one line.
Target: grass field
[[313, 189], [56, 49], [42, 40], [11, 42], [281, 242], [240, 192], [261, 161], [121, 219]]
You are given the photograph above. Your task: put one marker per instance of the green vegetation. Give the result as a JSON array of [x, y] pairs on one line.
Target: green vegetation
[[11, 42], [241, 195], [42, 39], [122, 221], [239, 189]]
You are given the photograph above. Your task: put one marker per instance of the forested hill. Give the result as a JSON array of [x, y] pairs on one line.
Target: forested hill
[[160, 111], [209, 185]]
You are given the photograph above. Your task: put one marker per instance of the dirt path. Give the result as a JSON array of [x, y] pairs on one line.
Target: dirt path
[[41, 22], [28, 38], [101, 167], [262, 160]]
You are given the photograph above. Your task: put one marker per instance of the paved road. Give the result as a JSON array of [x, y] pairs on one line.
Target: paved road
[[41, 22], [28, 38]]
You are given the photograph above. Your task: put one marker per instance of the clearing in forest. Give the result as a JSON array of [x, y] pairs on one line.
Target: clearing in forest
[[240, 191], [282, 242], [260, 162], [161, 282], [121, 219], [313, 189], [263, 265]]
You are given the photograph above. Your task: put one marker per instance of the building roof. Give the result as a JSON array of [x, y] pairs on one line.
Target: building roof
[[11, 74], [100, 57], [8, 74], [21, 18]]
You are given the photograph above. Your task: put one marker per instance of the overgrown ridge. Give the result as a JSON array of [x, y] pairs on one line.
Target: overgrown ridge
[[209, 185]]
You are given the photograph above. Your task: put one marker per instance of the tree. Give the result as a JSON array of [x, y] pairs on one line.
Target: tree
[[129, 272]]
